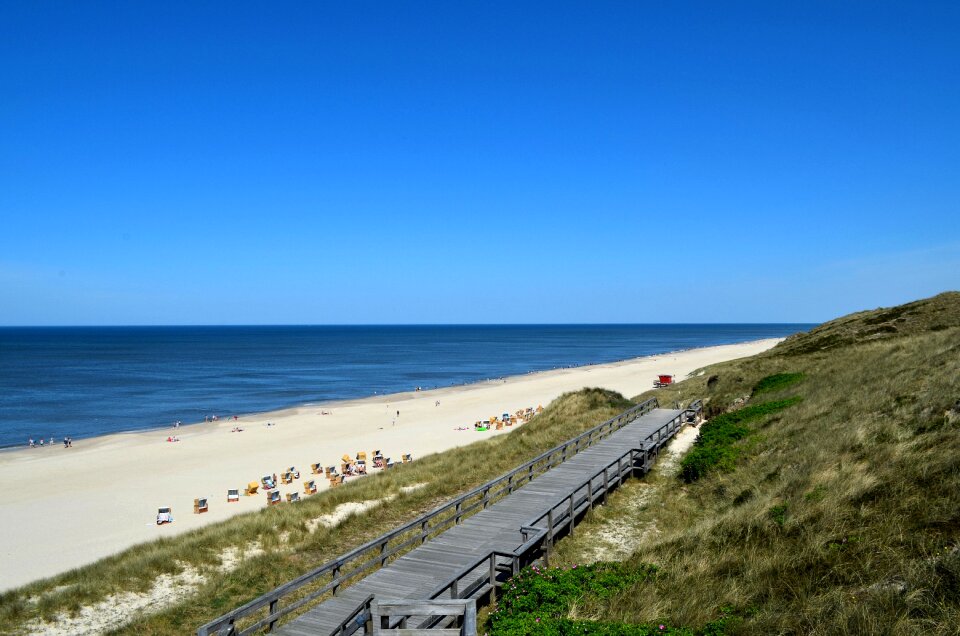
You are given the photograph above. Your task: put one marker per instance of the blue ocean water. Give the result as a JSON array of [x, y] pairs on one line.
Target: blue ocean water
[[85, 381]]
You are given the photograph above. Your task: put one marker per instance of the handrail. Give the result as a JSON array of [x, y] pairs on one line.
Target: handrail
[[378, 545], [540, 533]]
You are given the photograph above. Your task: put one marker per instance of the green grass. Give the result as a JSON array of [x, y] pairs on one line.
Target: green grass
[[839, 515], [716, 447], [776, 382]]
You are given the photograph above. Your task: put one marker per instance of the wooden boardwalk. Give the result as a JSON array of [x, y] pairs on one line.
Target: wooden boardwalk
[[549, 504]]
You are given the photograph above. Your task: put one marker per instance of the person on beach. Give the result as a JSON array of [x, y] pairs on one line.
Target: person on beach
[[32, 445], [41, 441]]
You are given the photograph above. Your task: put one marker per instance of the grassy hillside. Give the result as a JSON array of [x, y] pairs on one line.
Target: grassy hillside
[[838, 514]]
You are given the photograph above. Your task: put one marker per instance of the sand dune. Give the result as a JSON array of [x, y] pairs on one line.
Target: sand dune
[[63, 508]]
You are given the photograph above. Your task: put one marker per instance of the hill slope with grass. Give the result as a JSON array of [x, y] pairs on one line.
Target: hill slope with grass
[[822, 498]]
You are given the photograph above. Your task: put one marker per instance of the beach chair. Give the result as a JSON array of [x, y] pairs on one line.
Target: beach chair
[[200, 505], [164, 515], [267, 482], [407, 457], [539, 408], [310, 487], [362, 455], [331, 471], [361, 467], [346, 459], [252, 488], [293, 471], [378, 460], [316, 469], [286, 477], [336, 480], [499, 426], [273, 497], [513, 420], [293, 497], [233, 495], [388, 464]]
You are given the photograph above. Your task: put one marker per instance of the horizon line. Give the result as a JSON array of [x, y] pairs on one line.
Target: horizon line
[[410, 324]]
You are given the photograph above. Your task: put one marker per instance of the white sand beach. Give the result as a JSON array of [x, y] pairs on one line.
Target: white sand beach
[[64, 508]]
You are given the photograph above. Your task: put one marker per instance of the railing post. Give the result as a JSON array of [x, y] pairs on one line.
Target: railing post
[[454, 594], [493, 577], [486, 497], [590, 493], [383, 549], [571, 513], [606, 484], [549, 536], [510, 485], [273, 610], [336, 575], [423, 532], [368, 624], [458, 509]]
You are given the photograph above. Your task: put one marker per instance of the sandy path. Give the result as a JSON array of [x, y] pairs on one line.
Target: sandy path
[[63, 508]]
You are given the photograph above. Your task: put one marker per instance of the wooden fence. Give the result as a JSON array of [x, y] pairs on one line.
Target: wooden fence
[[480, 579], [330, 577]]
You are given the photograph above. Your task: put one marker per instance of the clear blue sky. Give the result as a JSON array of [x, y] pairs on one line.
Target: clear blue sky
[[408, 162]]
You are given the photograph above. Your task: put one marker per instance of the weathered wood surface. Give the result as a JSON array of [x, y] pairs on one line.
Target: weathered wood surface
[[381, 611], [418, 574]]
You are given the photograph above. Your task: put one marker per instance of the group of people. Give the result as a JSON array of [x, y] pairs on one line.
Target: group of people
[[67, 442]]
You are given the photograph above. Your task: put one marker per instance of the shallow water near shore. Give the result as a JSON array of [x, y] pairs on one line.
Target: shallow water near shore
[[87, 381]]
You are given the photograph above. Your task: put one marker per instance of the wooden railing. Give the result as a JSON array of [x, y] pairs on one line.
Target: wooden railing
[[439, 611], [480, 578], [331, 576]]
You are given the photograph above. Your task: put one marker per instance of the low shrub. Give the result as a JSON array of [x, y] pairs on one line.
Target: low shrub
[[537, 601], [715, 448]]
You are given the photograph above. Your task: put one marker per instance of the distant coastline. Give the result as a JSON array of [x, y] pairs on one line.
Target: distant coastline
[[91, 381]]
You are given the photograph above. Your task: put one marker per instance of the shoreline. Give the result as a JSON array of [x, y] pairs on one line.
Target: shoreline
[[5, 449], [75, 506]]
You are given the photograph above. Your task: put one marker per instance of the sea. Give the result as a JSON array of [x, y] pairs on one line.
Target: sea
[[87, 381]]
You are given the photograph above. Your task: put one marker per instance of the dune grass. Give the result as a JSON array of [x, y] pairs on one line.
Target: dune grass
[[716, 447], [282, 533], [839, 515]]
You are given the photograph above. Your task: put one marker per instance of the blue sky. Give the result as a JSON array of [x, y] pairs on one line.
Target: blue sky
[[365, 162]]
